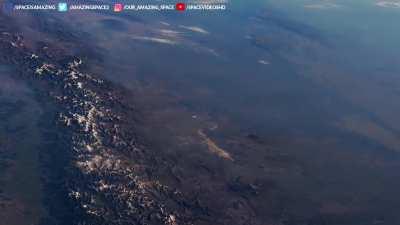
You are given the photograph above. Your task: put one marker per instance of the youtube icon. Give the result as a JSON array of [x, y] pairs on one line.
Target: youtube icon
[[180, 6]]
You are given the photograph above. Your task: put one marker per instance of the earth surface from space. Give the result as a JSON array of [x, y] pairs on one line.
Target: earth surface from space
[[271, 112]]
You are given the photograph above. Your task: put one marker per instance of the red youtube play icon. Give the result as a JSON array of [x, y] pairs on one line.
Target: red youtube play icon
[[180, 6], [118, 7]]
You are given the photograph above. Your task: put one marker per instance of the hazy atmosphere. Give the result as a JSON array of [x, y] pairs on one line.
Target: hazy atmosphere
[[268, 112]]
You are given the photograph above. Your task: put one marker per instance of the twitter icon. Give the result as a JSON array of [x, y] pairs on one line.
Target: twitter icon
[[62, 7]]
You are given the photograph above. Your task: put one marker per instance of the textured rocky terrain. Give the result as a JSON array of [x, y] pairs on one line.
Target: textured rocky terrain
[[105, 176], [278, 125], [108, 174]]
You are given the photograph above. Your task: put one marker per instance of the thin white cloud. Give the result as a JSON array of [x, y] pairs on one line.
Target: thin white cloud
[[170, 33], [322, 5], [195, 29], [388, 3], [165, 23], [155, 40], [264, 62]]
